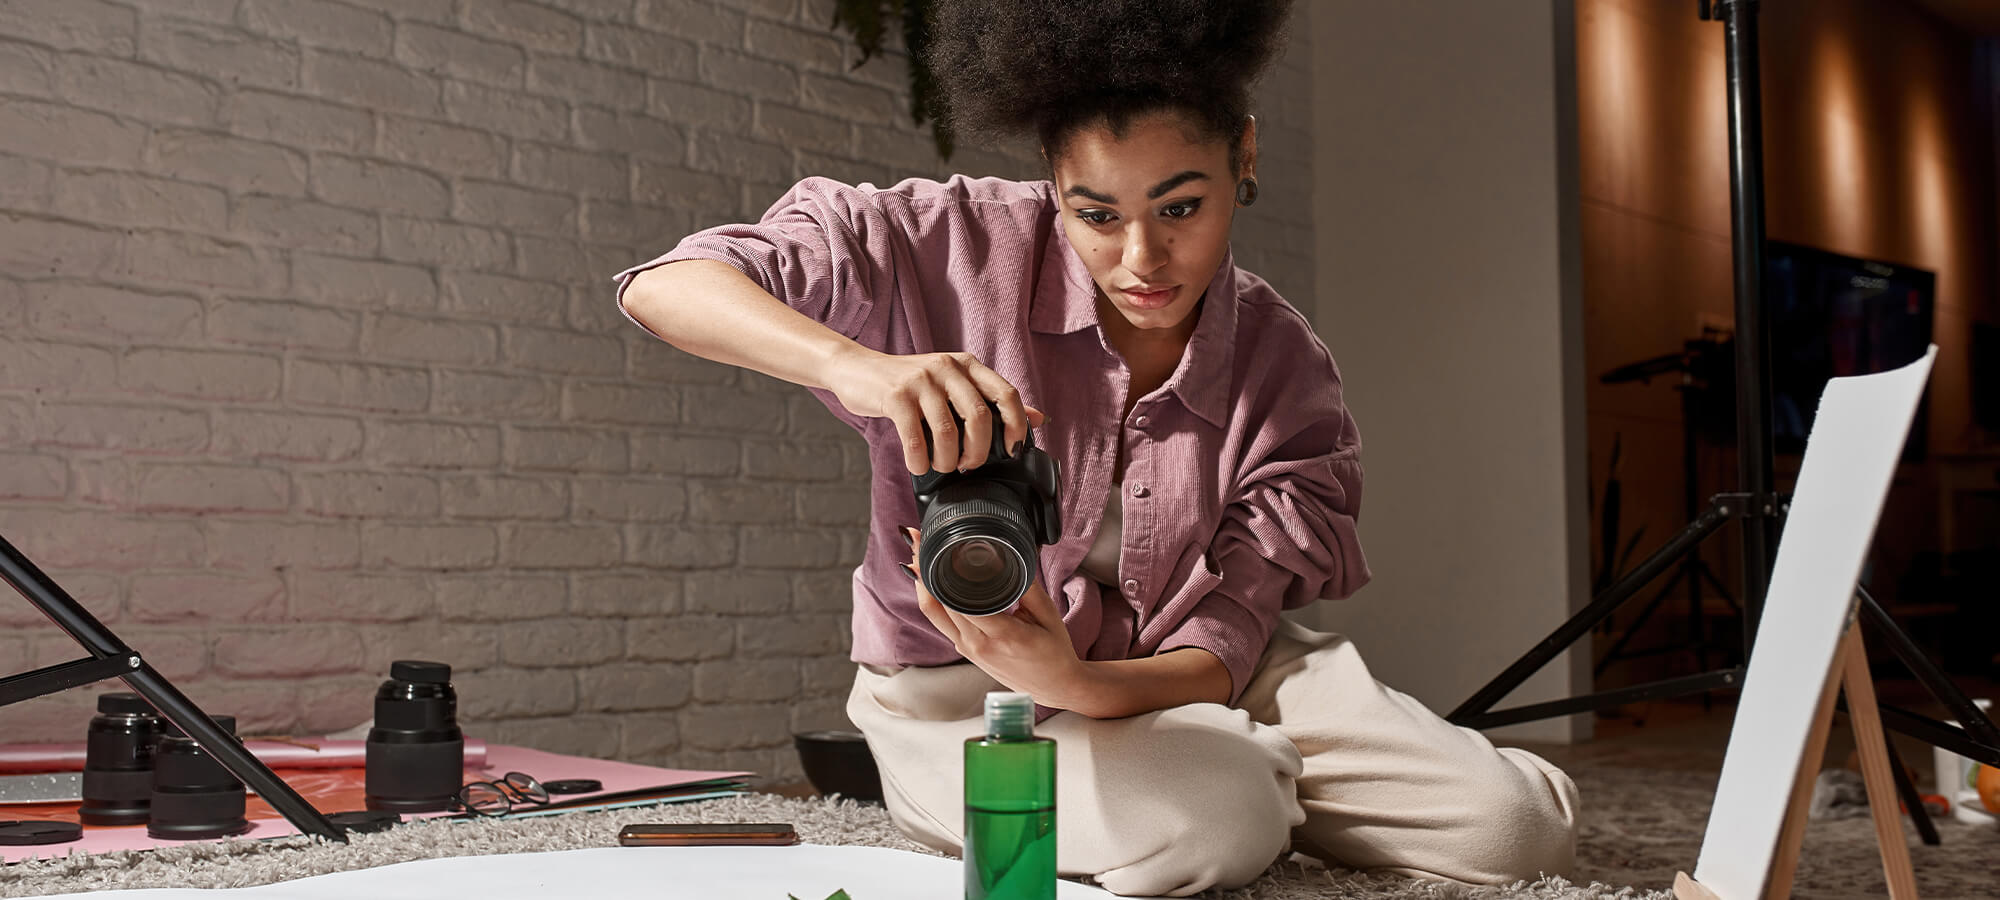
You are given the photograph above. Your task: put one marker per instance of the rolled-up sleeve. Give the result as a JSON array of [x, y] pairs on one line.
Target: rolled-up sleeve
[[823, 249], [1287, 540]]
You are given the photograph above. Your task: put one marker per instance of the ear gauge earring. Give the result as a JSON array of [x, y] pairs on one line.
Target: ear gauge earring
[[1246, 191]]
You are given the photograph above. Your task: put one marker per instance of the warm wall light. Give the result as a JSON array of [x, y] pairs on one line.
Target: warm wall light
[[1842, 185], [1612, 88], [1928, 204]]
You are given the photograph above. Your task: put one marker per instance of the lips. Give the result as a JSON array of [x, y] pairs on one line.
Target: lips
[[1153, 298]]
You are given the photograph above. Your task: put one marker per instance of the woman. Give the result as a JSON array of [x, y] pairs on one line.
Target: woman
[[1210, 473]]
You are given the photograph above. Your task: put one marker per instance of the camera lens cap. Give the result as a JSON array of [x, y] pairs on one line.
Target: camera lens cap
[[420, 672], [574, 786], [25, 832], [124, 704], [365, 821]]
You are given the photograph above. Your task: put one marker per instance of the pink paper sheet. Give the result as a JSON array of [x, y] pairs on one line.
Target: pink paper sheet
[[500, 759]]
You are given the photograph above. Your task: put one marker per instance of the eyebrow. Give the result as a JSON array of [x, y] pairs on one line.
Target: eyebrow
[[1077, 190]]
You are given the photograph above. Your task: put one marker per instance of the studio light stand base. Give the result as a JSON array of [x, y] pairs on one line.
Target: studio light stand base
[[111, 658]]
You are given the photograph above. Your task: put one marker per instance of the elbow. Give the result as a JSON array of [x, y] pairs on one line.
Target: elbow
[[643, 300]]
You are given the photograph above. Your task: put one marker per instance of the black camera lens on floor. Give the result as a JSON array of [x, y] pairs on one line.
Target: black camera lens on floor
[[416, 754], [983, 528], [118, 761], [194, 797]]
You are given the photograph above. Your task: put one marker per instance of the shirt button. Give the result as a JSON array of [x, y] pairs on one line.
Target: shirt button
[[1142, 421], [1139, 490], [1131, 586]]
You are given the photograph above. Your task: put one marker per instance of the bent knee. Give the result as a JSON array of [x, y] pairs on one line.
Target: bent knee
[[1528, 830], [1206, 848]]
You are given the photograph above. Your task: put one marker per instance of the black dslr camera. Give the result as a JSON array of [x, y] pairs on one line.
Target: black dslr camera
[[982, 527]]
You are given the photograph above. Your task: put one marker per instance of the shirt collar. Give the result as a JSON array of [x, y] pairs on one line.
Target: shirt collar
[[1065, 301]]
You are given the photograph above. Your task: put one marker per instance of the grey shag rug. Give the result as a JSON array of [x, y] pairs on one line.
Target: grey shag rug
[[1639, 826]]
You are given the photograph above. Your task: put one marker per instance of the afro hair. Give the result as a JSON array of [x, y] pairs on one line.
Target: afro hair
[[1050, 67]]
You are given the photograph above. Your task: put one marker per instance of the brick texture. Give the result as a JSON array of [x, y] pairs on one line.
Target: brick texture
[[308, 359]]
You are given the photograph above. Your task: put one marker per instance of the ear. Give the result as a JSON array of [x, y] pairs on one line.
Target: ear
[[1247, 150]]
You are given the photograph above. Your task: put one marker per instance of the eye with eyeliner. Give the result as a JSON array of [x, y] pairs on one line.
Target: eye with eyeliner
[[1179, 209]]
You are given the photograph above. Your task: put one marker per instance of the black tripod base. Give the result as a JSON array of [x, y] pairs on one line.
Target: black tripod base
[[109, 658]]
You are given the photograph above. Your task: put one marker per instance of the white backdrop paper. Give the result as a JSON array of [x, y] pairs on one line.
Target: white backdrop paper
[[807, 871], [1850, 456]]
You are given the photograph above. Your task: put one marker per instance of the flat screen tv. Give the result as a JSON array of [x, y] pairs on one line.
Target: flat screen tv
[[1833, 315], [1986, 375]]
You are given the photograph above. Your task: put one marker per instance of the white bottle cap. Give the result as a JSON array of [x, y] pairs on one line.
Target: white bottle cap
[[1009, 714]]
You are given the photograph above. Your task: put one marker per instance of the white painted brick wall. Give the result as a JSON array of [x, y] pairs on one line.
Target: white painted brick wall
[[308, 359]]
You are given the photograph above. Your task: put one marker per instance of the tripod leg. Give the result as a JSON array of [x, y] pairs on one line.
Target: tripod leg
[[62, 609], [1715, 584], [1977, 726], [1588, 617], [231, 753], [1918, 815], [1645, 613]]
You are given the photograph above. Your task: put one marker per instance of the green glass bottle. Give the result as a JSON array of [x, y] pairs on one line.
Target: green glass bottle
[[1010, 805]]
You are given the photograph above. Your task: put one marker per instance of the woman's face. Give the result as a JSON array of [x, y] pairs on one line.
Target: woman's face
[[1149, 214]]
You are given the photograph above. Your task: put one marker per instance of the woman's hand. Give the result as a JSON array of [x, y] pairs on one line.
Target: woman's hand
[[925, 388], [1027, 648]]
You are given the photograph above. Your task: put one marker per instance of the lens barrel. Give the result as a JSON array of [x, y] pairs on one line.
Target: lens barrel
[[194, 797], [979, 552], [118, 761], [415, 751]]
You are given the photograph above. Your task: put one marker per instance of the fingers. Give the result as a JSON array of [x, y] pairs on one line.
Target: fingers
[[940, 617], [960, 382], [977, 438], [909, 419], [944, 432], [1040, 608], [1014, 417]]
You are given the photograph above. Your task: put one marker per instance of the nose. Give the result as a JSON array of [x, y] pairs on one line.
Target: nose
[[1145, 249]]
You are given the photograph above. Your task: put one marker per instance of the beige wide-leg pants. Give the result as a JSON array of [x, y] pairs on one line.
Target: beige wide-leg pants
[[1174, 802]]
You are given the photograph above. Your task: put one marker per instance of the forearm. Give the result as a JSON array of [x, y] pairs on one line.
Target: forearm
[[713, 311], [1128, 687]]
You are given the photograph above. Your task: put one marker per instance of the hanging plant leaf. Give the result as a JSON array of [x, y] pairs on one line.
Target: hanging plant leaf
[[869, 21]]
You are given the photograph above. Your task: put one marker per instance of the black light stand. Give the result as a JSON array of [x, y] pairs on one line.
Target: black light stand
[[110, 658], [1755, 503], [1692, 365]]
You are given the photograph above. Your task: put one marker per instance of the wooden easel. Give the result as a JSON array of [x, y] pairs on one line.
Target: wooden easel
[[1849, 672]]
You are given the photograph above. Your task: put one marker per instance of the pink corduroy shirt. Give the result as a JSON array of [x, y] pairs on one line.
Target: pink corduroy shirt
[[1242, 473]]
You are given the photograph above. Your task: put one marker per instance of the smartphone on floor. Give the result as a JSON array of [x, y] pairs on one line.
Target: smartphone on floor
[[713, 835]]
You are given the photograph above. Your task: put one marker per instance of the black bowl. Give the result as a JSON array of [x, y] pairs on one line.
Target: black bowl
[[838, 762]]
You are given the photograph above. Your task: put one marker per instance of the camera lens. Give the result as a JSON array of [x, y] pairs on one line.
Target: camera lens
[[976, 559], [194, 797], [118, 761], [979, 550], [416, 754]]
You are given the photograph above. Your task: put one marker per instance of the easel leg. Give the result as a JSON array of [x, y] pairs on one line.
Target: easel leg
[[1791, 837], [1851, 674], [1875, 771]]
